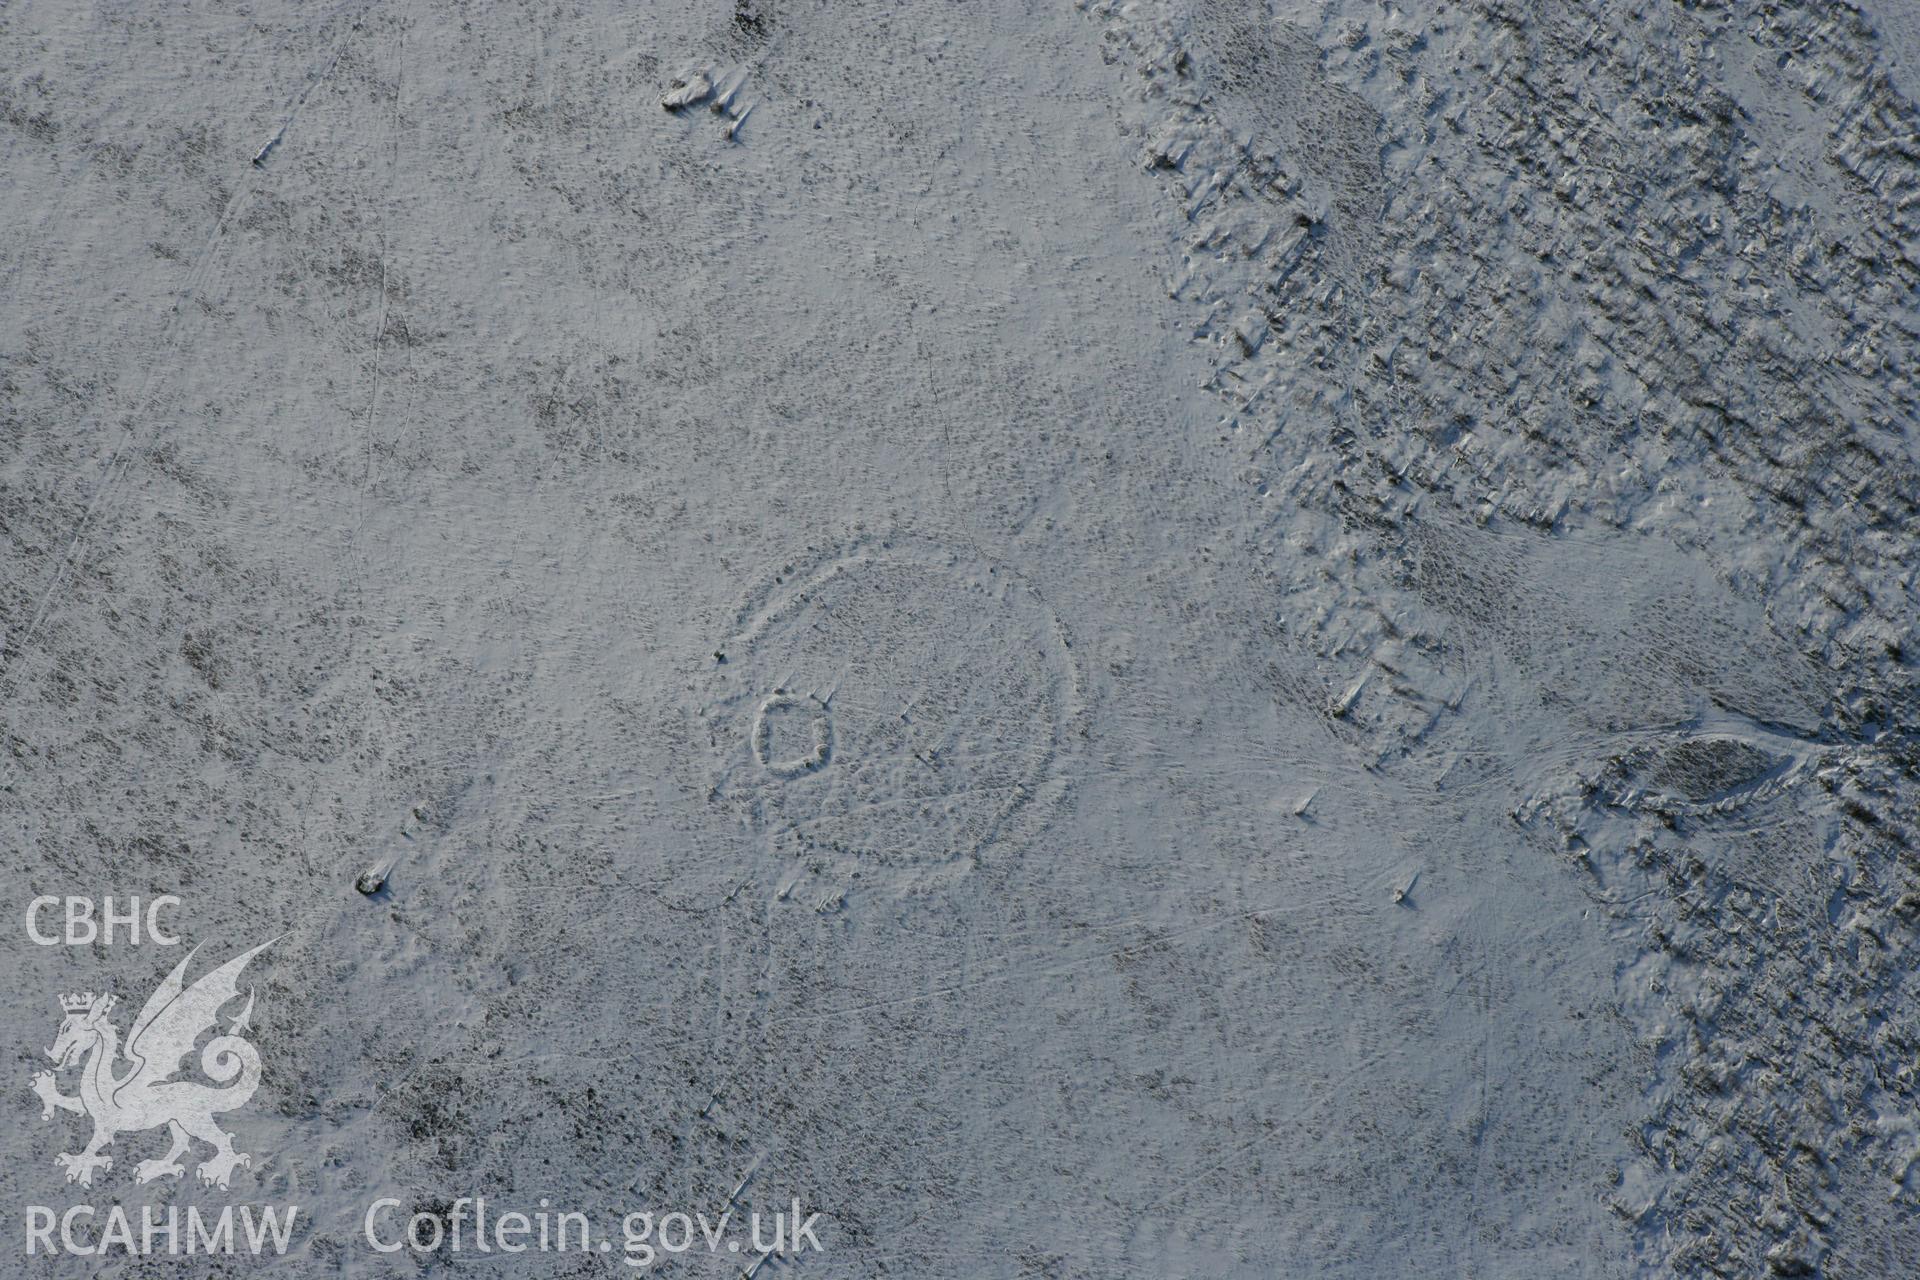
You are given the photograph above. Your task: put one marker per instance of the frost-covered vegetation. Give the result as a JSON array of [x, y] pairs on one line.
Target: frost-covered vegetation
[[1133, 637]]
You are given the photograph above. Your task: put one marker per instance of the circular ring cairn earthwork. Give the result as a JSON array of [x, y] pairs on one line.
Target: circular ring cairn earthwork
[[895, 707]]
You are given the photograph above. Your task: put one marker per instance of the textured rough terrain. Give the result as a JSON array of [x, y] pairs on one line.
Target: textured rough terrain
[[1109, 638]]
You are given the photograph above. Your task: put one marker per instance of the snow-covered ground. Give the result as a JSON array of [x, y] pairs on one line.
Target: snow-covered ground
[[1155, 638]]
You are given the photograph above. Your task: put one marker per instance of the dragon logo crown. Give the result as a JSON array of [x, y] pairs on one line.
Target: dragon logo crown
[[77, 1003]]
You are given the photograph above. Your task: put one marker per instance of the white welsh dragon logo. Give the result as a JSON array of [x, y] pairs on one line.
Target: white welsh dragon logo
[[144, 1096]]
